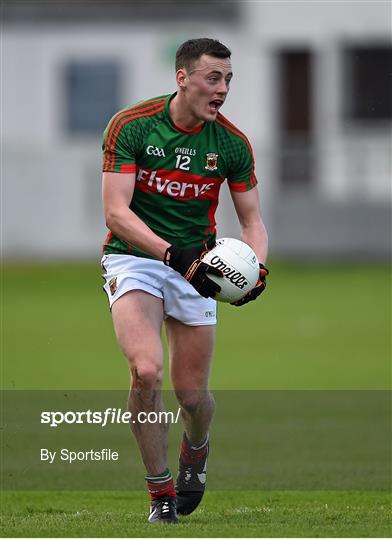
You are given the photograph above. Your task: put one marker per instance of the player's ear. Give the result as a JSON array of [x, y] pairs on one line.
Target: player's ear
[[181, 78]]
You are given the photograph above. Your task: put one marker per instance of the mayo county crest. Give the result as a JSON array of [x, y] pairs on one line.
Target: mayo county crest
[[211, 161], [113, 285]]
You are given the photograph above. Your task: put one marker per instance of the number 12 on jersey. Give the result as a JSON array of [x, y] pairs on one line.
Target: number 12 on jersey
[[182, 162]]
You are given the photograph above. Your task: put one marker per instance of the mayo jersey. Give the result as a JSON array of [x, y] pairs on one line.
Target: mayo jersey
[[178, 172]]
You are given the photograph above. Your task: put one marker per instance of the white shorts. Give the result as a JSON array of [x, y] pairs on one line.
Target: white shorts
[[123, 273]]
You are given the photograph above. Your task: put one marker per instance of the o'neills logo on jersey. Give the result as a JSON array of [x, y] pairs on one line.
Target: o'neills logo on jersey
[[173, 188], [211, 161], [232, 275]]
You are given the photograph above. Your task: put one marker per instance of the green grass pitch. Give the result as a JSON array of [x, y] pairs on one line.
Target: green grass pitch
[[223, 514], [318, 327]]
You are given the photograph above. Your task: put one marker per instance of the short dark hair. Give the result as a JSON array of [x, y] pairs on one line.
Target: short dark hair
[[191, 50]]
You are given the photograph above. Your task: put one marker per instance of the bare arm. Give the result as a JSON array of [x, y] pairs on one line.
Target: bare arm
[[253, 231], [117, 193]]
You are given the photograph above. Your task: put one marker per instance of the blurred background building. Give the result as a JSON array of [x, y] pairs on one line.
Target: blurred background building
[[312, 90]]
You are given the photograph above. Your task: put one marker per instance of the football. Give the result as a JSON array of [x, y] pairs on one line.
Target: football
[[239, 265]]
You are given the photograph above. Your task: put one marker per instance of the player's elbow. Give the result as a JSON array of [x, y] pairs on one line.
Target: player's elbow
[[108, 219], [111, 218], [252, 225]]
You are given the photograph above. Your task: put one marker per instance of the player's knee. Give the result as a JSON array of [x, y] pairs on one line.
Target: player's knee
[[147, 376], [192, 401]]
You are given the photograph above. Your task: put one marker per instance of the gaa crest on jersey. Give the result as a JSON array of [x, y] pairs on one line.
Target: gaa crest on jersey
[[113, 285], [211, 161]]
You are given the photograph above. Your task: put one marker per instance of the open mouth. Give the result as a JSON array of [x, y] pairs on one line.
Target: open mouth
[[215, 105]]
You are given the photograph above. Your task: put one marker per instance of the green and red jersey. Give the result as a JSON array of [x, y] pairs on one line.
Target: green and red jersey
[[178, 172]]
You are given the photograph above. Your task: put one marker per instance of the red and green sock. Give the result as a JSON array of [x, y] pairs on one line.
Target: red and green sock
[[160, 485], [193, 454]]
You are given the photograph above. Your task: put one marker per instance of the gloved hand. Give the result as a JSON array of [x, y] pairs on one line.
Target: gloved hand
[[257, 289], [187, 262]]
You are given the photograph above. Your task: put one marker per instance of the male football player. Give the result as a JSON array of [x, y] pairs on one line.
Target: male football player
[[164, 162]]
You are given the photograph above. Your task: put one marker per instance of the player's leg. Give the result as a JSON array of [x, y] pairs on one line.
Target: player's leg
[[137, 318], [190, 358], [191, 350]]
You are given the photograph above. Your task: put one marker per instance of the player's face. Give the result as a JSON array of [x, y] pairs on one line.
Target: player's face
[[206, 86]]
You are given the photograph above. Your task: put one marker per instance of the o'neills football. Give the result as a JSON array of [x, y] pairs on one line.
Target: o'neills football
[[239, 265]]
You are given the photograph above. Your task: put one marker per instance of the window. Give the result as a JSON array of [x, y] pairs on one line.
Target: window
[[367, 80], [296, 162], [92, 95]]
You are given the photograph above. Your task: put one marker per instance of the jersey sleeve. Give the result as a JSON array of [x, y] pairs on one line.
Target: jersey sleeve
[[120, 144], [241, 175]]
